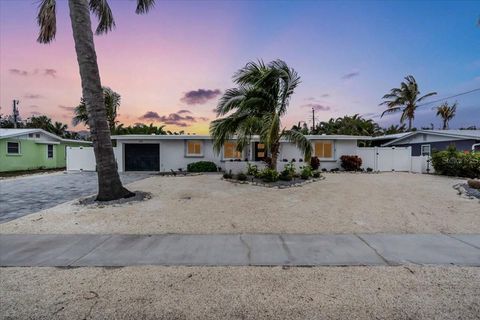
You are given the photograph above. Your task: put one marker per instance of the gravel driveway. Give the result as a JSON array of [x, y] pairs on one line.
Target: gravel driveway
[[25, 195]]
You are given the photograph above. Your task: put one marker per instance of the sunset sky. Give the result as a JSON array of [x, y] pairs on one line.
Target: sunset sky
[[172, 65]]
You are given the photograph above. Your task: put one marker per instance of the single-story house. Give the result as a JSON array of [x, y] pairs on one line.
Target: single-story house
[[28, 149], [173, 152], [424, 142]]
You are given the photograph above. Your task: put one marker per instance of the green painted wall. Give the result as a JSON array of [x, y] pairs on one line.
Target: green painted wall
[[33, 155]]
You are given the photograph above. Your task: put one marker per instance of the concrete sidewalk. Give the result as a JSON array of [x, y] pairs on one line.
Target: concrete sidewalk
[[239, 250]]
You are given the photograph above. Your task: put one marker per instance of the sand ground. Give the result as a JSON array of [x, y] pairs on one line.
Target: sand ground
[[342, 203], [241, 293]]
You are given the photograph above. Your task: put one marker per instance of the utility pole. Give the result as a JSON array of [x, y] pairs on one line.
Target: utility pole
[[15, 112], [313, 119]]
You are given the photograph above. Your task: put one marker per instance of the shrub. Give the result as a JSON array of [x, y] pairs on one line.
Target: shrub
[[351, 163], [306, 172], [241, 176], [228, 175], [369, 169], [454, 163], [202, 166], [268, 175], [334, 170], [475, 184], [315, 163], [252, 169], [316, 174], [324, 169], [290, 168], [285, 175]]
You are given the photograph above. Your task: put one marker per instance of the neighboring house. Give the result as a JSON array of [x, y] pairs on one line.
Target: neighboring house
[[28, 149], [174, 152], [424, 142], [382, 140]]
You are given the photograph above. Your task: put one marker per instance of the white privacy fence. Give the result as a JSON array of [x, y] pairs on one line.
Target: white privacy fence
[[386, 159], [80, 159]]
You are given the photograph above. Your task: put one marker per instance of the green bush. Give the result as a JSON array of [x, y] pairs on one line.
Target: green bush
[[252, 169], [351, 163], [454, 163], [202, 166], [306, 172], [285, 175], [241, 176], [316, 174], [289, 168], [268, 175]]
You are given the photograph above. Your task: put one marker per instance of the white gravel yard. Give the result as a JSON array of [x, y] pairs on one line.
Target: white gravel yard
[[241, 293], [342, 203]]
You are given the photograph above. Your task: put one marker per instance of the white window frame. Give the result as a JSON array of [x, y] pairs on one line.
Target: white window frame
[[429, 150], [323, 141], [194, 155], [53, 151], [223, 152], [19, 148]]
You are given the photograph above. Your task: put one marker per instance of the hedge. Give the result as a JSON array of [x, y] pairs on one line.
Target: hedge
[[202, 166], [454, 163]]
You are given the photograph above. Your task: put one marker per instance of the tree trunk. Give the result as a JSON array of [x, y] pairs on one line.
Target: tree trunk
[[409, 124], [109, 184], [275, 151], [445, 125]]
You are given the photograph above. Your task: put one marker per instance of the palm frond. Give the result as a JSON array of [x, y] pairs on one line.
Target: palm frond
[[104, 14], [300, 141], [390, 110], [47, 21], [426, 96], [143, 6]]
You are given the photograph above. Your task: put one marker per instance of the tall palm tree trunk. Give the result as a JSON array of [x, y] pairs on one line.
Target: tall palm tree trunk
[[445, 124], [109, 184], [410, 124], [275, 151]]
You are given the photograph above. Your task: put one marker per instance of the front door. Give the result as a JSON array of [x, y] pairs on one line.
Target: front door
[[259, 151]]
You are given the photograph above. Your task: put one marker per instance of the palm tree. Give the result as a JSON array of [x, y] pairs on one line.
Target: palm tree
[[256, 107], [59, 129], [40, 122], [405, 99], [394, 128], [447, 113], [112, 103], [109, 185]]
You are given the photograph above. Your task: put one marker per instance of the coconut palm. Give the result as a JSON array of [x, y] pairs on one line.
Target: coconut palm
[[112, 103], [60, 129], [256, 107], [405, 99], [446, 112], [109, 184]]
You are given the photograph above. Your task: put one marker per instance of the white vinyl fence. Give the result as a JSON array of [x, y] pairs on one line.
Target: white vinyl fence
[[386, 158], [80, 159]]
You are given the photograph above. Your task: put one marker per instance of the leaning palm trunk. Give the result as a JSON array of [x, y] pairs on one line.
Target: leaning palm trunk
[[109, 184]]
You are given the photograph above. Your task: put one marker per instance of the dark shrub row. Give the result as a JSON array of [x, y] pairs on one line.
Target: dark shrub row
[[455, 163]]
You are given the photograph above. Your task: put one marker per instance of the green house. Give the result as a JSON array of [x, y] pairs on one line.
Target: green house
[[30, 149]]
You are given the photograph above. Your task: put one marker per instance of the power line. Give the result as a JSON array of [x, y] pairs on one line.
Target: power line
[[455, 95]]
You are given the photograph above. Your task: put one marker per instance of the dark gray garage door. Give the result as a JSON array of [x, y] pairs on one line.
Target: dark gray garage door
[[142, 157]]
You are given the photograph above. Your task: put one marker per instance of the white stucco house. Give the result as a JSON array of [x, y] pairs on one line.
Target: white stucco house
[[173, 152]]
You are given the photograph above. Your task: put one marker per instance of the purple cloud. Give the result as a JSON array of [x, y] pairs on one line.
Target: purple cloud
[[66, 108], [325, 95], [34, 106], [50, 72], [33, 96], [18, 72], [35, 113], [316, 107], [200, 96], [350, 75], [177, 119], [183, 111]]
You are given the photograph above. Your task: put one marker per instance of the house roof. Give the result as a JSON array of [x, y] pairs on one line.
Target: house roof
[[206, 137], [9, 133], [390, 136], [457, 134]]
